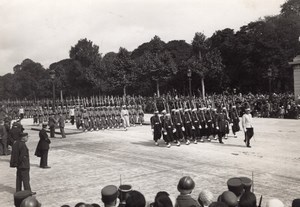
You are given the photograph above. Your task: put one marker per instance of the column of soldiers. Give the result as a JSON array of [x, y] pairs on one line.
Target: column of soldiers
[[194, 124], [108, 117]]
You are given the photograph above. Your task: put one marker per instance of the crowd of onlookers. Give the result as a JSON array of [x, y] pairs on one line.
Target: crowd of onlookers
[[238, 195]]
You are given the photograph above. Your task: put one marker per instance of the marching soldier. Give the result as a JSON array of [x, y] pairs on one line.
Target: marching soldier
[[125, 117], [169, 130], [156, 127], [196, 125], [234, 120], [86, 118], [222, 124], [141, 115], [203, 124], [187, 123]]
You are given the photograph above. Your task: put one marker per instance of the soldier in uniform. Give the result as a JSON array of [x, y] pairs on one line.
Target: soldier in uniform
[[177, 121], [86, 118], [61, 124], [196, 125], [118, 116], [125, 117], [234, 120], [168, 129], [72, 114], [52, 124], [3, 138], [187, 123], [203, 124], [141, 115], [156, 127], [222, 124], [78, 114]]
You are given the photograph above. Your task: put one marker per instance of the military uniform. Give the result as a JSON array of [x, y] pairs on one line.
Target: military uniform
[[156, 127]]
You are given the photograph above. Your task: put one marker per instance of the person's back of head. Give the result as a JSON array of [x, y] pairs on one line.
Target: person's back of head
[[205, 198], [229, 198], [135, 199], [248, 199], [186, 185], [296, 202], [162, 199], [274, 202], [30, 202], [109, 195]]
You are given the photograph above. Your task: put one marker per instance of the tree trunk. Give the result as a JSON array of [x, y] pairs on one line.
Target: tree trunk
[[124, 91], [203, 88], [157, 88]]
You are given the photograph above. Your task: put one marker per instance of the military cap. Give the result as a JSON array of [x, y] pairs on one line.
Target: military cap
[[109, 193], [235, 185], [248, 109], [247, 182], [156, 112], [44, 124], [233, 106], [186, 185], [194, 109], [24, 134], [186, 110], [163, 111]]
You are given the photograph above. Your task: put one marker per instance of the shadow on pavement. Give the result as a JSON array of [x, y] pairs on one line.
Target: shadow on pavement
[[5, 188]]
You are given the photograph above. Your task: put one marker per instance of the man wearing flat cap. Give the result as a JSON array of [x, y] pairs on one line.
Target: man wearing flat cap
[[43, 147], [20, 160], [109, 195]]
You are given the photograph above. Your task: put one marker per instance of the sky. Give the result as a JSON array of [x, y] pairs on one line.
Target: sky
[[45, 30]]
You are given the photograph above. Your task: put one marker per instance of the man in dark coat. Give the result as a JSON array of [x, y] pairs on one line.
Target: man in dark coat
[[20, 160], [156, 127], [15, 133], [43, 147], [52, 124]]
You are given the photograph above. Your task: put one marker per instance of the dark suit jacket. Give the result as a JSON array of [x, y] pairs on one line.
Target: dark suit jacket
[[43, 143], [19, 155], [51, 122]]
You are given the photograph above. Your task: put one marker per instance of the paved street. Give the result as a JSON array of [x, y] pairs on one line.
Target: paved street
[[83, 163]]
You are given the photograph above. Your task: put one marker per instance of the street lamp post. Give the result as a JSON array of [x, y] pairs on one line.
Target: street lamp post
[[52, 76], [189, 75], [270, 79]]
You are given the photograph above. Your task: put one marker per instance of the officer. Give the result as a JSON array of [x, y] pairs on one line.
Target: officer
[[109, 196], [247, 126]]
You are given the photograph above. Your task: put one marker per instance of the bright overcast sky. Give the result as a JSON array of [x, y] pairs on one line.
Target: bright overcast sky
[[45, 30]]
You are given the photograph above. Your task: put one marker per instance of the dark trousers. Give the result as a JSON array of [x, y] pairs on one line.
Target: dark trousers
[[220, 136], [3, 146], [62, 131], [248, 135], [22, 177], [44, 158], [72, 120], [52, 131]]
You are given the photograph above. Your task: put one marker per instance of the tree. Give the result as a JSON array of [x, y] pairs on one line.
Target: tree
[[123, 74], [205, 61]]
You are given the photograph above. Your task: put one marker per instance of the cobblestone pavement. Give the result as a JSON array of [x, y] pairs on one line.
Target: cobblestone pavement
[[82, 164]]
